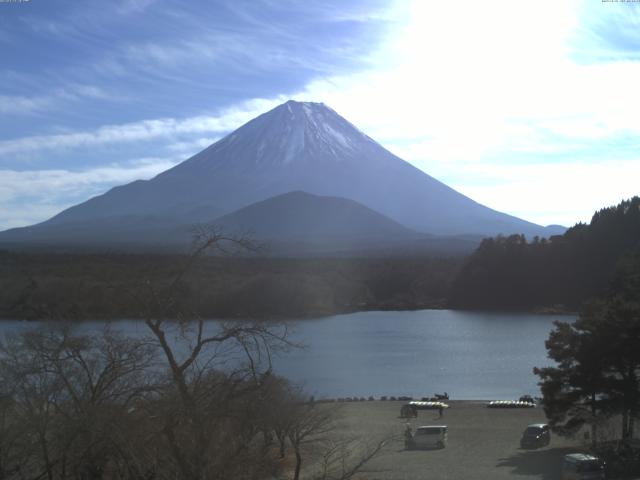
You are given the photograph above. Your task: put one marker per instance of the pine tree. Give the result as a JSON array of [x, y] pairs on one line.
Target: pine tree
[[598, 361]]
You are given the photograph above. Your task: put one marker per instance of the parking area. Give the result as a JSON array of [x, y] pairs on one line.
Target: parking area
[[483, 443]]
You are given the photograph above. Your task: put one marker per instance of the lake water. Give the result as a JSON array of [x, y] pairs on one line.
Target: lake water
[[470, 355]]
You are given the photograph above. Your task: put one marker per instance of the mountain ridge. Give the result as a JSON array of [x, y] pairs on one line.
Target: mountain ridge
[[298, 146], [294, 224]]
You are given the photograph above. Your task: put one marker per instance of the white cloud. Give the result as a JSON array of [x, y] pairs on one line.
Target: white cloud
[[227, 120], [12, 104], [29, 214], [191, 147], [50, 191], [469, 89], [20, 104], [14, 184], [560, 193]]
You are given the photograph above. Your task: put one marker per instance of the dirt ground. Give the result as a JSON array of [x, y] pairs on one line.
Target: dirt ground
[[483, 443]]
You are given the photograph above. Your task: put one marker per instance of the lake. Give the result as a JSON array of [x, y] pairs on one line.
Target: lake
[[470, 355]]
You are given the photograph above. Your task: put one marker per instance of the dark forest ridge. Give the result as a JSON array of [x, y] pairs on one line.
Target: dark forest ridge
[[297, 146], [562, 272], [105, 286]]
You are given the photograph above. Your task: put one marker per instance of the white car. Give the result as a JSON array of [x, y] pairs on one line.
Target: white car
[[432, 436], [582, 466]]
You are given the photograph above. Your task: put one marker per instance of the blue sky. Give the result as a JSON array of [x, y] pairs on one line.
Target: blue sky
[[528, 107]]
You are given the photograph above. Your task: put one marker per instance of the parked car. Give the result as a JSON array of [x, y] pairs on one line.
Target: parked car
[[582, 466], [536, 435], [428, 437]]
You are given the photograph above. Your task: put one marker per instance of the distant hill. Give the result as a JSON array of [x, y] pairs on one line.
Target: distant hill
[[562, 272], [297, 146], [303, 216], [298, 223]]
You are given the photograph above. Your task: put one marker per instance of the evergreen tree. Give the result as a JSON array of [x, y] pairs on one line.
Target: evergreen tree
[[598, 361]]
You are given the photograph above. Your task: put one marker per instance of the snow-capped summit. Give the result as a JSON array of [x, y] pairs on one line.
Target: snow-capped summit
[[292, 132], [298, 146]]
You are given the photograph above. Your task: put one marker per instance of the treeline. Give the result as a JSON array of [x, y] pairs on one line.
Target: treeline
[[559, 273], [504, 273], [35, 286]]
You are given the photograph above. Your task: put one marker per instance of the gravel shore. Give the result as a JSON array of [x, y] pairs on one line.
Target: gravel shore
[[483, 443]]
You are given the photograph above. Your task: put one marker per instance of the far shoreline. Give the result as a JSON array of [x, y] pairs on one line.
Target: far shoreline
[[544, 311]]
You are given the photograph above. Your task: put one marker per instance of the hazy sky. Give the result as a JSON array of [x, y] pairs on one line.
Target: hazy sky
[[531, 107]]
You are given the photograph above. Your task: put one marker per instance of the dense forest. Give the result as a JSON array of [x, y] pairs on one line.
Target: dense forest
[[559, 273], [504, 273], [35, 286]]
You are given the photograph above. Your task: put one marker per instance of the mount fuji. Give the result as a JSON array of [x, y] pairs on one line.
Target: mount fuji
[[296, 147]]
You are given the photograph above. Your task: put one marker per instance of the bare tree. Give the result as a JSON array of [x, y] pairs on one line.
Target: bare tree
[[69, 394], [217, 371], [343, 458], [314, 432], [308, 426]]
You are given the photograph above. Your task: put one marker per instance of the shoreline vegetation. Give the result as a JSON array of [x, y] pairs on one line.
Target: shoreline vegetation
[[102, 287], [75, 287], [545, 276]]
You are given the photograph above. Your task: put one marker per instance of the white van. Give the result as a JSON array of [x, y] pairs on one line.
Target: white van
[[434, 436], [582, 466]]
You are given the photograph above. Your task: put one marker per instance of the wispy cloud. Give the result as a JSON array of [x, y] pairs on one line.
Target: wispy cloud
[[608, 31], [463, 90], [24, 105], [16, 183], [216, 42], [50, 191], [193, 146], [187, 69], [18, 104], [127, 7], [141, 131]]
